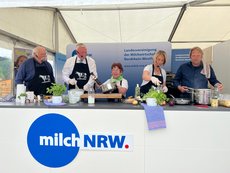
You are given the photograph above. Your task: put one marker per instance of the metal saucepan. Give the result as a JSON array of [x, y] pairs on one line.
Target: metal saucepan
[[181, 101], [108, 87]]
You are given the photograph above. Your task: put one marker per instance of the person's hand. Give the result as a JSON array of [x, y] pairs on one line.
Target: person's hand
[[118, 84], [219, 86], [72, 81], [155, 81], [86, 88], [165, 89], [183, 88]]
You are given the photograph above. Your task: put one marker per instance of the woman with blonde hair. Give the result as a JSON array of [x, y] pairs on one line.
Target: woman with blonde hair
[[153, 74]]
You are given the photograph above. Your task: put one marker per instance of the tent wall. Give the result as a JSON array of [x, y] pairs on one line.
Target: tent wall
[[38, 26], [221, 63], [208, 55], [31, 24]]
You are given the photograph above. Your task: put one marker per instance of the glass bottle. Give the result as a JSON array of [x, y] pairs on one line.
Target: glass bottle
[[137, 91], [91, 96], [215, 97]]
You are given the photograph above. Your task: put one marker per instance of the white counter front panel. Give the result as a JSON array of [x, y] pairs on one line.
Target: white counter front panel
[[194, 141]]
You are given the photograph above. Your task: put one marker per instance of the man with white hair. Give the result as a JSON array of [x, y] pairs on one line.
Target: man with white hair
[[78, 69], [36, 73]]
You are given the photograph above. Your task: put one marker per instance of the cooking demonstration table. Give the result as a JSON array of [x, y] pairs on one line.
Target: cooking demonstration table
[[196, 138]]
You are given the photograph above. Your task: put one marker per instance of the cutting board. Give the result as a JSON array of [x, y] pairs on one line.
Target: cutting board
[[104, 96]]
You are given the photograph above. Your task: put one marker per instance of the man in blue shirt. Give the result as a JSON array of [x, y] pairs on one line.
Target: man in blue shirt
[[195, 74], [36, 72]]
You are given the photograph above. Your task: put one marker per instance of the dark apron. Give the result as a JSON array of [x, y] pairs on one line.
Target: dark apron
[[80, 73], [41, 80], [145, 88]]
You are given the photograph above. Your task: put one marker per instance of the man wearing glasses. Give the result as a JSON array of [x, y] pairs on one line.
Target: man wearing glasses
[[77, 69]]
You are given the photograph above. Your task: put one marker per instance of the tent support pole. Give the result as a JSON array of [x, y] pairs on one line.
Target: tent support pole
[[67, 27], [184, 7], [56, 31]]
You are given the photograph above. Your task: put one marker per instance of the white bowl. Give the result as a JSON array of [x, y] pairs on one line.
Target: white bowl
[[75, 95]]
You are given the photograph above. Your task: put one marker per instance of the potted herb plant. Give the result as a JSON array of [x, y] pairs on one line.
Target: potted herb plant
[[22, 98], [57, 90], [159, 96]]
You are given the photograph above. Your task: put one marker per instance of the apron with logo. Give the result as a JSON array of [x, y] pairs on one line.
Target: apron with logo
[[80, 73], [40, 81], [145, 88]]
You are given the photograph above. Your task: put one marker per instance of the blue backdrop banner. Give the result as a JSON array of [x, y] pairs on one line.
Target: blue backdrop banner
[[179, 56], [133, 56], [59, 63]]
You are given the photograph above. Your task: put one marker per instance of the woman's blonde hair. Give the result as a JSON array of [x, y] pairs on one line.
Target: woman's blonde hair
[[196, 48], [162, 53]]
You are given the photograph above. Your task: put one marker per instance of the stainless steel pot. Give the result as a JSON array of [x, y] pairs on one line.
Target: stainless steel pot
[[108, 87], [202, 96]]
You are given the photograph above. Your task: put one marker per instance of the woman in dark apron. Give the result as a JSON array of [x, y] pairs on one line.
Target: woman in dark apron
[[153, 74]]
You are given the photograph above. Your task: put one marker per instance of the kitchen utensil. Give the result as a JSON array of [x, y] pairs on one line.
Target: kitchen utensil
[[108, 87], [202, 96], [182, 101]]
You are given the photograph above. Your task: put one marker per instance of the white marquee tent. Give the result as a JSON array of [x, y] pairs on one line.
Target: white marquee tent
[[57, 23]]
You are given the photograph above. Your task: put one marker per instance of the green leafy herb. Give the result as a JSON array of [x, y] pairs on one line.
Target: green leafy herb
[[56, 89], [22, 95], [158, 95]]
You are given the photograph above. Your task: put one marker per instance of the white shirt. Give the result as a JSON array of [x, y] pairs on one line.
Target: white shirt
[[149, 68], [124, 83], [69, 65]]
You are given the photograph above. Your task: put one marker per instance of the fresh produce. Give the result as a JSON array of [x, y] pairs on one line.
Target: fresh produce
[[135, 102], [56, 89], [225, 103], [171, 102], [158, 95]]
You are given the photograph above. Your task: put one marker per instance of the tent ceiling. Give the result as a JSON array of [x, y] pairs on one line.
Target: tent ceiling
[[218, 2], [90, 3], [122, 26], [203, 23]]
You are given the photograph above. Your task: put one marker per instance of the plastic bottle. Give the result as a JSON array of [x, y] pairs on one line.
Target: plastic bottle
[[91, 96], [137, 91]]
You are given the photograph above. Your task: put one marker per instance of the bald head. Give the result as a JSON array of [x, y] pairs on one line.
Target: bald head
[[39, 53]]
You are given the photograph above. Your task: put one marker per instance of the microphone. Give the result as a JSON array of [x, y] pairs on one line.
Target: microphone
[[80, 54]]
